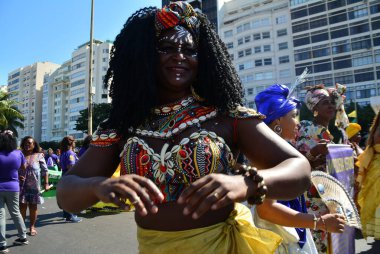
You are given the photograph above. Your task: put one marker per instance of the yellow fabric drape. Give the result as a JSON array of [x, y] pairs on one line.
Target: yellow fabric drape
[[237, 234], [369, 194]]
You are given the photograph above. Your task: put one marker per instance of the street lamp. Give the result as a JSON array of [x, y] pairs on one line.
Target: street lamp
[[90, 92]]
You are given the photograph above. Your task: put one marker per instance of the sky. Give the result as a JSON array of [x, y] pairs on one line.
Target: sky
[[50, 30]]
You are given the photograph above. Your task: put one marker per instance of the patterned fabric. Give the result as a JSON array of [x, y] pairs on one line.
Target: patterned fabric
[[177, 14], [369, 194], [313, 96], [30, 188], [273, 102], [242, 112], [308, 136], [237, 234], [178, 162], [104, 138]]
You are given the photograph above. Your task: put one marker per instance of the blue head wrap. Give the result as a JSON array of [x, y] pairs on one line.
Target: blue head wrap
[[273, 102]]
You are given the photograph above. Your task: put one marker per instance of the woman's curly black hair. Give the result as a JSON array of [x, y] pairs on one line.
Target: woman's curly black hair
[[132, 72], [8, 143]]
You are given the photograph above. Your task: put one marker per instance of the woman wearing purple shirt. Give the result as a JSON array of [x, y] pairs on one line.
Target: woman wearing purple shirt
[[11, 160], [68, 158]]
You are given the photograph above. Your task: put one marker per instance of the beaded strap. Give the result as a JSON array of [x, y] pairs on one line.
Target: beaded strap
[[261, 189], [104, 138], [243, 112]]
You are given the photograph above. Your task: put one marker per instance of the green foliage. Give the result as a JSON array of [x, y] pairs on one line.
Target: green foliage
[[100, 113], [10, 117]]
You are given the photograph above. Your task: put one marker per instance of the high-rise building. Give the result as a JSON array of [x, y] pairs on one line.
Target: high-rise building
[[25, 87], [79, 80], [66, 90], [339, 42], [258, 37], [55, 106]]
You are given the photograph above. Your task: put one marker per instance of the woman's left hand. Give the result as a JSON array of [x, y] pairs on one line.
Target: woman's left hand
[[47, 187], [213, 191]]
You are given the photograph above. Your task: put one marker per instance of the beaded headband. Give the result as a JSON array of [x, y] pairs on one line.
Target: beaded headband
[[177, 14]]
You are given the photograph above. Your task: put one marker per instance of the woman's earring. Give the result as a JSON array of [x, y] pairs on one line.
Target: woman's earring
[[195, 95], [315, 113], [277, 128]]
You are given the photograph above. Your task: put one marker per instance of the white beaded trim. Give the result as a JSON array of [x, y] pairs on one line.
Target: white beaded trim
[[176, 130], [169, 110]]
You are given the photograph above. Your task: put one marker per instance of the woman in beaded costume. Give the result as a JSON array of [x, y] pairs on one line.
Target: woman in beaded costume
[[176, 150], [281, 112]]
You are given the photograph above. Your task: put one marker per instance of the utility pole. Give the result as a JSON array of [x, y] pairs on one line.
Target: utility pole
[[90, 92]]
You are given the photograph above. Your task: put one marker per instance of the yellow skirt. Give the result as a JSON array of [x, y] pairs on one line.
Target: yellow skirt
[[237, 234]]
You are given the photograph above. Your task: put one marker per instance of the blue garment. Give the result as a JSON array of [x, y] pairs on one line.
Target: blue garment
[[299, 205], [274, 103]]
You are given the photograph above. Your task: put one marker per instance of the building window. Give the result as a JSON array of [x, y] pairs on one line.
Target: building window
[[266, 35], [256, 37], [230, 45], [281, 32], [339, 33], [248, 52], [301, 41], [284, 73], [359, 29], [257, 49], [240, 54], [240, 41], [247, 38], [250, 91], [283, 59], [361, 77], [228, 33], [258, 62], [283, 45], [281, 19], [268, 61], [319, 37], [267, 48]]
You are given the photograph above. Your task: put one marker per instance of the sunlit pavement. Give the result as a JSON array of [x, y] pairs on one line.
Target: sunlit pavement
[[98, 233]]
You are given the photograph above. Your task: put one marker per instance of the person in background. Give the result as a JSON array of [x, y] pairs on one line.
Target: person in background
[[52, 160], [85, 145], [68, 159], [11, 160], [175, 128], [30, 180], [354, 136], [369, 183], [311, 140], [281, 116]]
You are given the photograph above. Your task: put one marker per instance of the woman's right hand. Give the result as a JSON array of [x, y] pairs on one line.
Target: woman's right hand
[[21, 178], [333, 222], [320, 149], [141, 192]]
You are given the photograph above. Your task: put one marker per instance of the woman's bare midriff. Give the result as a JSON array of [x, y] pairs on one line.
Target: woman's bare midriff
[[170, 218]]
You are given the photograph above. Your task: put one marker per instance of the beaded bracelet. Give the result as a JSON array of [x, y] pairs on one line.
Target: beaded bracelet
[[261, 190]]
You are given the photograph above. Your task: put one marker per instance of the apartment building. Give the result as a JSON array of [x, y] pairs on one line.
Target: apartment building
[[258, 37], [55, 106], [25, 87], [339, 41], [66, 90], [79, 80]]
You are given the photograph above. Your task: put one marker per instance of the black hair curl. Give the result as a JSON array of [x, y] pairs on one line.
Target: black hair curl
[[132, 72], [8, 142]]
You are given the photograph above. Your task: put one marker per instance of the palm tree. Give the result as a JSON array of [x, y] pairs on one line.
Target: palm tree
[[10, 117]]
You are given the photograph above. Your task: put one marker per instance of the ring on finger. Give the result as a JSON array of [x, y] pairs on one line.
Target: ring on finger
[[216, 195]]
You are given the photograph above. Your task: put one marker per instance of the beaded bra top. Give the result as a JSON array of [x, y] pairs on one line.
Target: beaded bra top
[[176, 165]]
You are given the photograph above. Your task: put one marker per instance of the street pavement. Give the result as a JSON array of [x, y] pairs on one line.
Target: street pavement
[[98, 233]]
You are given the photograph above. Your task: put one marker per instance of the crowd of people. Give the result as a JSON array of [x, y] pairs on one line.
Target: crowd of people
[[176, 130]]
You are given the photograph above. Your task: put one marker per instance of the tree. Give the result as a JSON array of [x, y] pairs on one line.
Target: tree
[[100, 113], [10, 117]]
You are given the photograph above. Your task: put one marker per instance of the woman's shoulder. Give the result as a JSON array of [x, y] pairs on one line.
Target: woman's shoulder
[[241, 112]]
